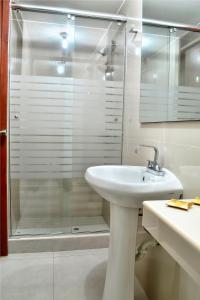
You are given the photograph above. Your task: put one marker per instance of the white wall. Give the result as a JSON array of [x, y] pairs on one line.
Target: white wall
[[179, 145]]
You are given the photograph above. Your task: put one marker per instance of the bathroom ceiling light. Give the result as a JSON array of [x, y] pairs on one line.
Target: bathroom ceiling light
[[61, 68], [64, 43], [71, 17], [64, 40], [155, 76]]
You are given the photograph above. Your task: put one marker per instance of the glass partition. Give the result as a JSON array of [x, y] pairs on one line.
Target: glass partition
[[66, 105]]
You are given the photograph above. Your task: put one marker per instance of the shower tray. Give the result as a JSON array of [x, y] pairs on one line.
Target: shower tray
[[56, 226]]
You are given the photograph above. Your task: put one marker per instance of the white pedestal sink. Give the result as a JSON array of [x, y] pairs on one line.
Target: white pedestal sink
[[126, 187]]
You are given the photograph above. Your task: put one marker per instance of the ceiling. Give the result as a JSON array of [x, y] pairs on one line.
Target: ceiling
[[182, 11], [107, 6]]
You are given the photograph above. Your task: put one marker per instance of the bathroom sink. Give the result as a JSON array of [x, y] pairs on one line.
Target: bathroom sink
[[129, 186], [126, 187]]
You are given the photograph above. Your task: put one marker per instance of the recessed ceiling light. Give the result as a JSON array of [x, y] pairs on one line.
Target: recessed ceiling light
[[61, 68], [64, 40], [155, 76]]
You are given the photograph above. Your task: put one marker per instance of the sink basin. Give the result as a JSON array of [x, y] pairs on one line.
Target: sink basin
[[129, 186], [126, 187]]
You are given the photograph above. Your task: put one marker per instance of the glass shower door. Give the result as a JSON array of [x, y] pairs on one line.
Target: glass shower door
[[66, 104]]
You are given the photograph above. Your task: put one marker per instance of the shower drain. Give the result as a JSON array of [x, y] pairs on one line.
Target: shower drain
[[90, 228]]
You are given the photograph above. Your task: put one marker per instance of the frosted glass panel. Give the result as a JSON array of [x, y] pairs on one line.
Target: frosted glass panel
[[66, 104]]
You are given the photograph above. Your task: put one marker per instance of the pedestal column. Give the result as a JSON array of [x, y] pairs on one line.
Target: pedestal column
[[119, 283]]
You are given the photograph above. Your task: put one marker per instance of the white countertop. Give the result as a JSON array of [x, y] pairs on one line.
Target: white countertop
[[177, 231]]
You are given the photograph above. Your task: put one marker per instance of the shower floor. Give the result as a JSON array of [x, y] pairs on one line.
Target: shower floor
[[57, 225]]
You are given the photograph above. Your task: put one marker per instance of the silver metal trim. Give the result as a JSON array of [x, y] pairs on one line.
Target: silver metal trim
[[69, 11], [186, 27], [102, 16]]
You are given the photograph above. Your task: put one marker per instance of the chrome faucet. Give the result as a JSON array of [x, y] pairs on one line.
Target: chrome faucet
[[153, 165]]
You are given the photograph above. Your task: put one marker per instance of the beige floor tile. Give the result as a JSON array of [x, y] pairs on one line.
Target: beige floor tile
[[80, 277], [27, 276]]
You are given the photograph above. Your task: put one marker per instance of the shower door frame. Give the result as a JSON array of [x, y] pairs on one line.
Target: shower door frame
[[4, 32]]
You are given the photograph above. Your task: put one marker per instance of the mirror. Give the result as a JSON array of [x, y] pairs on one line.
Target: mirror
[[170, 74]]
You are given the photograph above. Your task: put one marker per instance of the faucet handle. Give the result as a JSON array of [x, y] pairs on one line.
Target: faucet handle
[[150, 164]]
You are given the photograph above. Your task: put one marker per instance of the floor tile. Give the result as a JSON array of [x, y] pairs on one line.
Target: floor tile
[[64, 275], [27, 277], [80, 276]]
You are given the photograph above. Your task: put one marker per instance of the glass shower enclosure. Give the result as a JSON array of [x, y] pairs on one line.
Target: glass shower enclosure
[[66, 113]]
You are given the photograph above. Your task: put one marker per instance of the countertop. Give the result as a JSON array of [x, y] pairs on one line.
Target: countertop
[[177, 231]]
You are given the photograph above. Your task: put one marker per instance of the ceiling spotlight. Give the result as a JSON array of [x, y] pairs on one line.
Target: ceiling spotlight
[[61, 68], [155, 76], [71, 17], [64, 40]]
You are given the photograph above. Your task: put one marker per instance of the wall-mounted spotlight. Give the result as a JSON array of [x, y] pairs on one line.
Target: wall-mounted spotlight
[[64, 40]]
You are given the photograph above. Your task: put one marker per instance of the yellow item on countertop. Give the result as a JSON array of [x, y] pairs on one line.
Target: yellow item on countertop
[[182, 204], [196, 200]]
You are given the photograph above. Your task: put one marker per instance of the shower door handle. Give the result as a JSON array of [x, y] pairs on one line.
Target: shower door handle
[[3, 132]]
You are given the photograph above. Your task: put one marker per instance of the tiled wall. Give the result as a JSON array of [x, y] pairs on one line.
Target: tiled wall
[[179, 146], [58, 198]]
